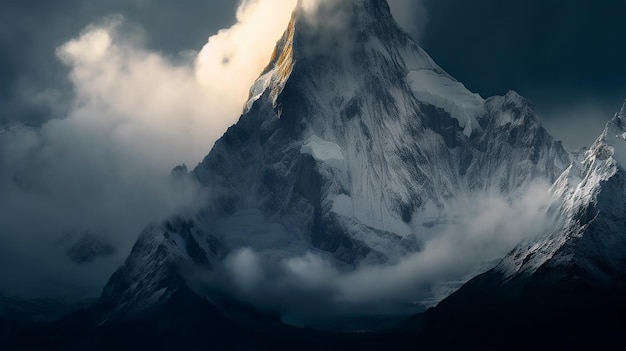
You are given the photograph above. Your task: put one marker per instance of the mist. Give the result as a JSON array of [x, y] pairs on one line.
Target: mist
[[76, 192], [309, 288]]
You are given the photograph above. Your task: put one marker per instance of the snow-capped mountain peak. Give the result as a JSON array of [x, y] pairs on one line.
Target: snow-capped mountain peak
[[352, 139]]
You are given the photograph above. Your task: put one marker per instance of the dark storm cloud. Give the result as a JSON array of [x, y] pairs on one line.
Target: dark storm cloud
[[34, 87], [76, 191], [555, 53]]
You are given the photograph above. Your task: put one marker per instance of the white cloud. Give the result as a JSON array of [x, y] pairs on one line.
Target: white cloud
[[468, 237], [103, 169], [473, 234], [170, 111]]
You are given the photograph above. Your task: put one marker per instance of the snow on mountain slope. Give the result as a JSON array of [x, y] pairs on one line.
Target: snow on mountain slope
[[562, 289], [593, 204], [351, 138]]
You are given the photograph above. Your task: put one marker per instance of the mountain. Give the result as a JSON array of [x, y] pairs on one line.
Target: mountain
[[349, 136], [351, 142], [565, 288]]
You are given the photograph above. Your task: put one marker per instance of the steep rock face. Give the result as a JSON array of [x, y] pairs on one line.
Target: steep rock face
[[593, 205], [348, 135]]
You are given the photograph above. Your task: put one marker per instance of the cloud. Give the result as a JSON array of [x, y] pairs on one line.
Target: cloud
[[309, 288], [101, 173], [75, 193], [244, 267], [464, 239]]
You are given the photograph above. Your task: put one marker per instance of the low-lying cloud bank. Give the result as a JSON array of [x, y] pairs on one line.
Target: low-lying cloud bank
[[458, 242]]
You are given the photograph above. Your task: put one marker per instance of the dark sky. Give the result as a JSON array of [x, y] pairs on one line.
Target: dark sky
[[566, 56], [562, 45]]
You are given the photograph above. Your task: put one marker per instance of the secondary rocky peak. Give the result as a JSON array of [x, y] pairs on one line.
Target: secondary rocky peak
[[592, 201]]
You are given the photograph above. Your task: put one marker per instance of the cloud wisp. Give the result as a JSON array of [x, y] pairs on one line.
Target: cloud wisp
[[309, 288]]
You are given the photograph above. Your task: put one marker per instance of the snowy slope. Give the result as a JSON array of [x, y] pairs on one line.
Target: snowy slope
[[593, 204]]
